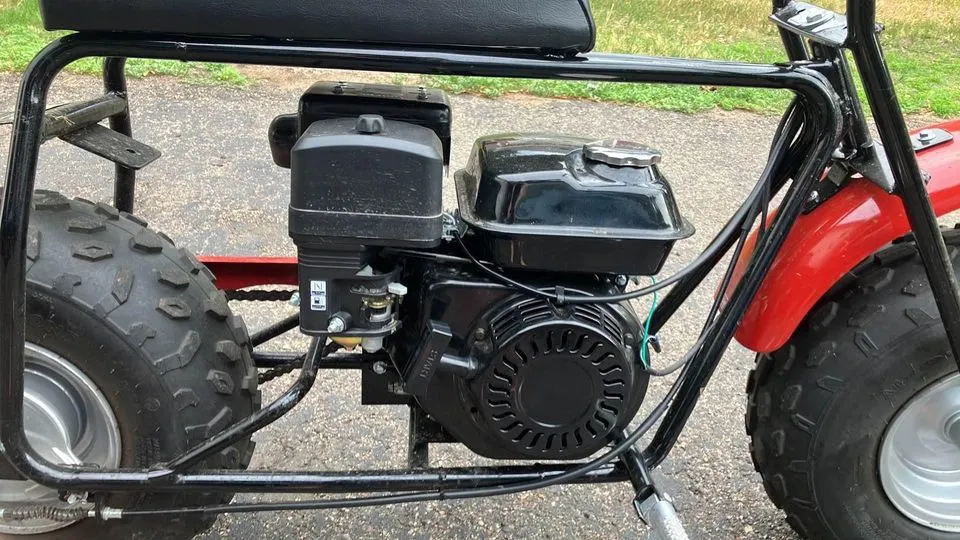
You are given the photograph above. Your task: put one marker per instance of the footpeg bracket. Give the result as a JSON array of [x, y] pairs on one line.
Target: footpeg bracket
[[113, 146], [78, 124]]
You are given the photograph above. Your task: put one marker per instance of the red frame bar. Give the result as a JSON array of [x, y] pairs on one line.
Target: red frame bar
[[238, 272]]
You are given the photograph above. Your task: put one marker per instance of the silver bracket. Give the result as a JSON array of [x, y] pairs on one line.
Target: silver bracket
[[928, 138], [812, 22]]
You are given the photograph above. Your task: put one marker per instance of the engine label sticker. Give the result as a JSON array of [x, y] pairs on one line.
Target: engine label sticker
[[318, 295]]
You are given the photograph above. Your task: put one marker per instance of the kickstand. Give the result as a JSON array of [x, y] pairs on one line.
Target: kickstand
[[654, 508]]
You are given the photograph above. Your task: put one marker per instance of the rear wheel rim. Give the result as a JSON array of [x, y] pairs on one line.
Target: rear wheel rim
[[920, 457], [68, 421]]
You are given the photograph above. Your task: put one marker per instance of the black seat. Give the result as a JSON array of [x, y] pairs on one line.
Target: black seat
[[557, 25]]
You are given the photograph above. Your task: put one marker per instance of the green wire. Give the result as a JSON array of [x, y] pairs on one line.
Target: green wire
[[646, 329]]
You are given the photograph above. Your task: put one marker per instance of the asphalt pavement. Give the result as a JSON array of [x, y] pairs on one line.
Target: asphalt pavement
[[216, 191]]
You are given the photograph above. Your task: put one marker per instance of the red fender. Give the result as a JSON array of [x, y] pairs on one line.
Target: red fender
[[830, 241]]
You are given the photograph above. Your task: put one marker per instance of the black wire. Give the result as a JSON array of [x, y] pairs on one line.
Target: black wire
[[773, 165], [711, 316], [793, 110], [361, 502], [764, 204], [607, 299], [725, 284], [787, 119], [428, 255], [679, 363]]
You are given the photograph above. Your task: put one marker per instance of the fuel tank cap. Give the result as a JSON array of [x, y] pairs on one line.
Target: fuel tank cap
[[620, 153]]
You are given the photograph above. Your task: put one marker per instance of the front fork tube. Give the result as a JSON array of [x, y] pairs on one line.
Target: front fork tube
[[910, 187], [910, 184]]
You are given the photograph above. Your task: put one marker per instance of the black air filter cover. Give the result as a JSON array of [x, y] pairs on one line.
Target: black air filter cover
[[366, 181], [566, 204]]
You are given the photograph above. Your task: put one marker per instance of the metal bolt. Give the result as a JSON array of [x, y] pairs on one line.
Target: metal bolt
[[621, 281], [295, 299], [654, 342], [336, 325], [814, 196], [371, 344], [380, 367], [106, 513], [480, 334], [75, 498]]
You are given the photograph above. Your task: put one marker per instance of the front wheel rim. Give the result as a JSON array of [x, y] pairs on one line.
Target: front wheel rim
[[920, 457], [68, 421]]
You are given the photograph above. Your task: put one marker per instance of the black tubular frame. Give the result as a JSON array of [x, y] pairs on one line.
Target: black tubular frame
[[816, 118], [115, 82]]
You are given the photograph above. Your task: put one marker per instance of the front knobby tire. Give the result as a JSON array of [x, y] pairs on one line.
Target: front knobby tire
[[819, 407], [144, 321]]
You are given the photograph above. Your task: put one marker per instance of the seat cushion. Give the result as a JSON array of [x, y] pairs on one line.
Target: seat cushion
[[558, 25]]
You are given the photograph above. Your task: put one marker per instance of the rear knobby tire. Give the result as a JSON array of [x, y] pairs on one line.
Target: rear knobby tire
[[144, 321], [818, 408]]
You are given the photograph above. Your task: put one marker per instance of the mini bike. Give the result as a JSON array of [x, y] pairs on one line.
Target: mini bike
[[130, 389]]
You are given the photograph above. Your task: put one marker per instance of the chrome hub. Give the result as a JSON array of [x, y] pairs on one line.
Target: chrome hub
[[920, 457], [68, 421], [953, 429]]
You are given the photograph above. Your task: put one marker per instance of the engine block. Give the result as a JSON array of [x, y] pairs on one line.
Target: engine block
[[549, 382]]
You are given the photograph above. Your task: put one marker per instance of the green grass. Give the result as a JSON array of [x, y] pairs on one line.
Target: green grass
[[922, 41], [22, 36]]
